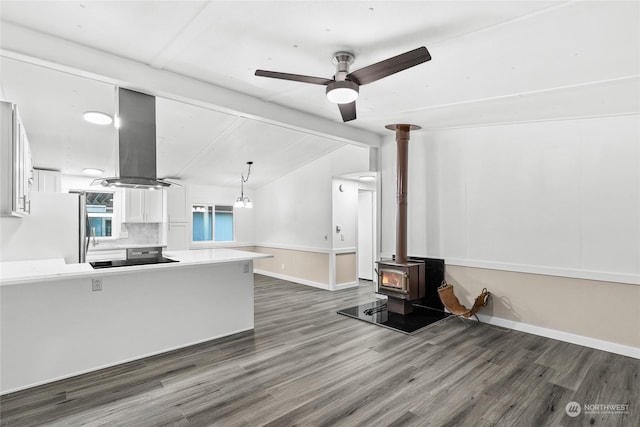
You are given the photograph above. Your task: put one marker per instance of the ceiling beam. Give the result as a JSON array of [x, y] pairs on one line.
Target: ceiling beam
[[31, 46]]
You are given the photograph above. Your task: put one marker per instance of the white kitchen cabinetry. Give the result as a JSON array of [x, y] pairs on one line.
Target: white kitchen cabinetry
[[177, 203], [153, 205], [15, 158], [46, 181], [178, 236], [178, 213], [143, 205]]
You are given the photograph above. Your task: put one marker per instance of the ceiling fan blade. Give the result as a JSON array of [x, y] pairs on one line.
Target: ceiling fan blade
[[348, 111], [390, 66], [294, 77]]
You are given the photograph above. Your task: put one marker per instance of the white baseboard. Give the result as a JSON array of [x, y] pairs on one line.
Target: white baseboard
[[611, 347], [292, 279], [349, 285]]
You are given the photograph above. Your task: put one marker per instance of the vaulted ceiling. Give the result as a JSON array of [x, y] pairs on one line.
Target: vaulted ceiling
[[493, 62]]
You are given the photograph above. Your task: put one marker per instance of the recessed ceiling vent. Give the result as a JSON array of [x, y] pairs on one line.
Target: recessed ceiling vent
[[136, 167]]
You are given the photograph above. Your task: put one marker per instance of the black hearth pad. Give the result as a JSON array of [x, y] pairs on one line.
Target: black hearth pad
[[407, 324]]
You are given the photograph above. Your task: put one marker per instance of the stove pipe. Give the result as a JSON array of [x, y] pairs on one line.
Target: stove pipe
[[402, 142]]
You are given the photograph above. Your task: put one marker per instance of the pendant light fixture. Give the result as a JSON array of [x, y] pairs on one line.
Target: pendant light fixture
[[242, 201]]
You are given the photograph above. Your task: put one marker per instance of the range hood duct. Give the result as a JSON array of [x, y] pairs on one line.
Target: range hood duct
[[136, 166]]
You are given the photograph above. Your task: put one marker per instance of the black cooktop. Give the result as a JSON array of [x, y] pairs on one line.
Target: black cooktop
[[130, 262]]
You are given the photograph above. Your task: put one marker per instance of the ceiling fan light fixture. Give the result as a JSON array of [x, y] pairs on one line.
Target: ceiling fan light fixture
[[342, 92]]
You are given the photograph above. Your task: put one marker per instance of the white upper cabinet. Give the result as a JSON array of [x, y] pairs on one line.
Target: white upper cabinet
[[46, 181], [177, 203], [153, 205], [143, 205], [17, 171]]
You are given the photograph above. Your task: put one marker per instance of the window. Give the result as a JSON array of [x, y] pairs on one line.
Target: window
[[224, 223], [202, 223], [212, 223], [100, 213]]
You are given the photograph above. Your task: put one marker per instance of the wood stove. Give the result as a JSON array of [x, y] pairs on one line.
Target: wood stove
[[400, 280], [401, 283]]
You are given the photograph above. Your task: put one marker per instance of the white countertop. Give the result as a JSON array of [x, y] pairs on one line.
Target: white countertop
[[34, 271]]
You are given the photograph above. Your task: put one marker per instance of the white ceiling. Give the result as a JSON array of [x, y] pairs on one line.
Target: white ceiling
[[493, 62], [193, 143]]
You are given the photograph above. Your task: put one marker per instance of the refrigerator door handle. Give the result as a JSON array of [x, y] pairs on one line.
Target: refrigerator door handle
[[87, 237]]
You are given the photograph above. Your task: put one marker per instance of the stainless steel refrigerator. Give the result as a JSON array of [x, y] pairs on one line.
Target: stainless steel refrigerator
[[57, 228]]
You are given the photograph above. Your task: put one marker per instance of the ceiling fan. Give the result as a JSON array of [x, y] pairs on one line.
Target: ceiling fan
[[343, 88]]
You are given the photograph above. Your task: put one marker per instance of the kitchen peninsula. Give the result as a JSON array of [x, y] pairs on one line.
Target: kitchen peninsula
[[55, 325]]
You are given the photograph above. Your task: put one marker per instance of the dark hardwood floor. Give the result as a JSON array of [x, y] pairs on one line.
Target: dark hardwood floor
[[306, 365]]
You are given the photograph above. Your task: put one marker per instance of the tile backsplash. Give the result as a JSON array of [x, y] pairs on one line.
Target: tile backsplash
[[141, 234]]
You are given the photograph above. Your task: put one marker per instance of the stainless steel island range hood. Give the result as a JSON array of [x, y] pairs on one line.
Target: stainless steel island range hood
[[136, 167]]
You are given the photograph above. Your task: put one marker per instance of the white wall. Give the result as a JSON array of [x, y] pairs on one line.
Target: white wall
[[533, 212], [561, 197], [349, 159], [345, 213], [294, 211], [296, 216]]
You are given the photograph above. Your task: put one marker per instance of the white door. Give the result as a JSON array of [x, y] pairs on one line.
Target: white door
[[365, 235]]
